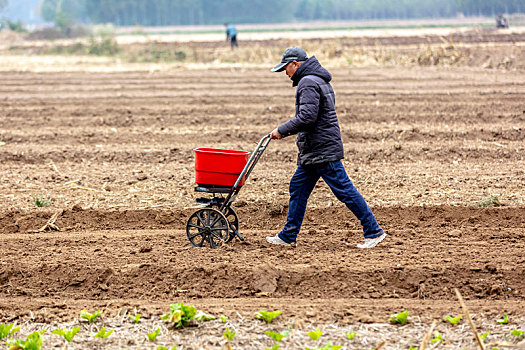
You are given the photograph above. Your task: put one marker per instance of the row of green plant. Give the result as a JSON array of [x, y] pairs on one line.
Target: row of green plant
[[104, 45], [180, 316], [402, 318], [108, 46], [34, 341], [17, 26]]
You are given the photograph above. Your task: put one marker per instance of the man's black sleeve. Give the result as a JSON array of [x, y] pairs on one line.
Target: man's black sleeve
[[306, 116]]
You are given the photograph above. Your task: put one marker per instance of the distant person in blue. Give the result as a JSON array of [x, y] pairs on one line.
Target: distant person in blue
[[501, 21], [231, 34]]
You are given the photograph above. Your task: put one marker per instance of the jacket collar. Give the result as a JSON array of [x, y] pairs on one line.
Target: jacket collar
[[310, 67]]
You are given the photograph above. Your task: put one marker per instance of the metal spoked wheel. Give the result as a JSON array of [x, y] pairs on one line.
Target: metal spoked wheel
[[233, 221], [207, 226]]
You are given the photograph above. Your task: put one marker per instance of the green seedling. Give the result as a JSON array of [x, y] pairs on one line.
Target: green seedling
[[102, 334], [162, 347], [7, 330], [68, 335], [484, 336], [153, 335], [32, 342], [438, 338], [492, 201], [203, 317], [135, 318], [277, 336], [518, 333], [41, 201], [229, 335], [274, 347], [350, 335], [314, 335], [453, 320], [223, 318], [503, 320], [90, 317], [327, 346], [181, 315], [267, 315], [400, 318]]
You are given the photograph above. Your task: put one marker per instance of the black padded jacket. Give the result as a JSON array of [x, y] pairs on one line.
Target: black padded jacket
[[315, 121]]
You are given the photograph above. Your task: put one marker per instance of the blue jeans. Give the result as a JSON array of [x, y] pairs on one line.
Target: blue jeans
[[334, 174]]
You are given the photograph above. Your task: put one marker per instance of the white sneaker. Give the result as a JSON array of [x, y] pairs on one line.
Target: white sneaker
[[371, 242], [276, 240]]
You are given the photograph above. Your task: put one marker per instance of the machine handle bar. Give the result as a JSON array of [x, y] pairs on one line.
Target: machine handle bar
[[254, 158]]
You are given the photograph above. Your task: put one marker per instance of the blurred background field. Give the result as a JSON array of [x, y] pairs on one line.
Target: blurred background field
[[162, 34], [476, 47]]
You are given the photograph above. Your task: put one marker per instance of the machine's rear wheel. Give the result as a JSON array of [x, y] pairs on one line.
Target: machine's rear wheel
[[207, 226], [233, 222]]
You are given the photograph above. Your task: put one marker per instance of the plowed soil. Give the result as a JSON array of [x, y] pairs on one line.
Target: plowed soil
[[438, 153]]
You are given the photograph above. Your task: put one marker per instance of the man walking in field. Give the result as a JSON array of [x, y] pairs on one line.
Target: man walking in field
[[320, 149]]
